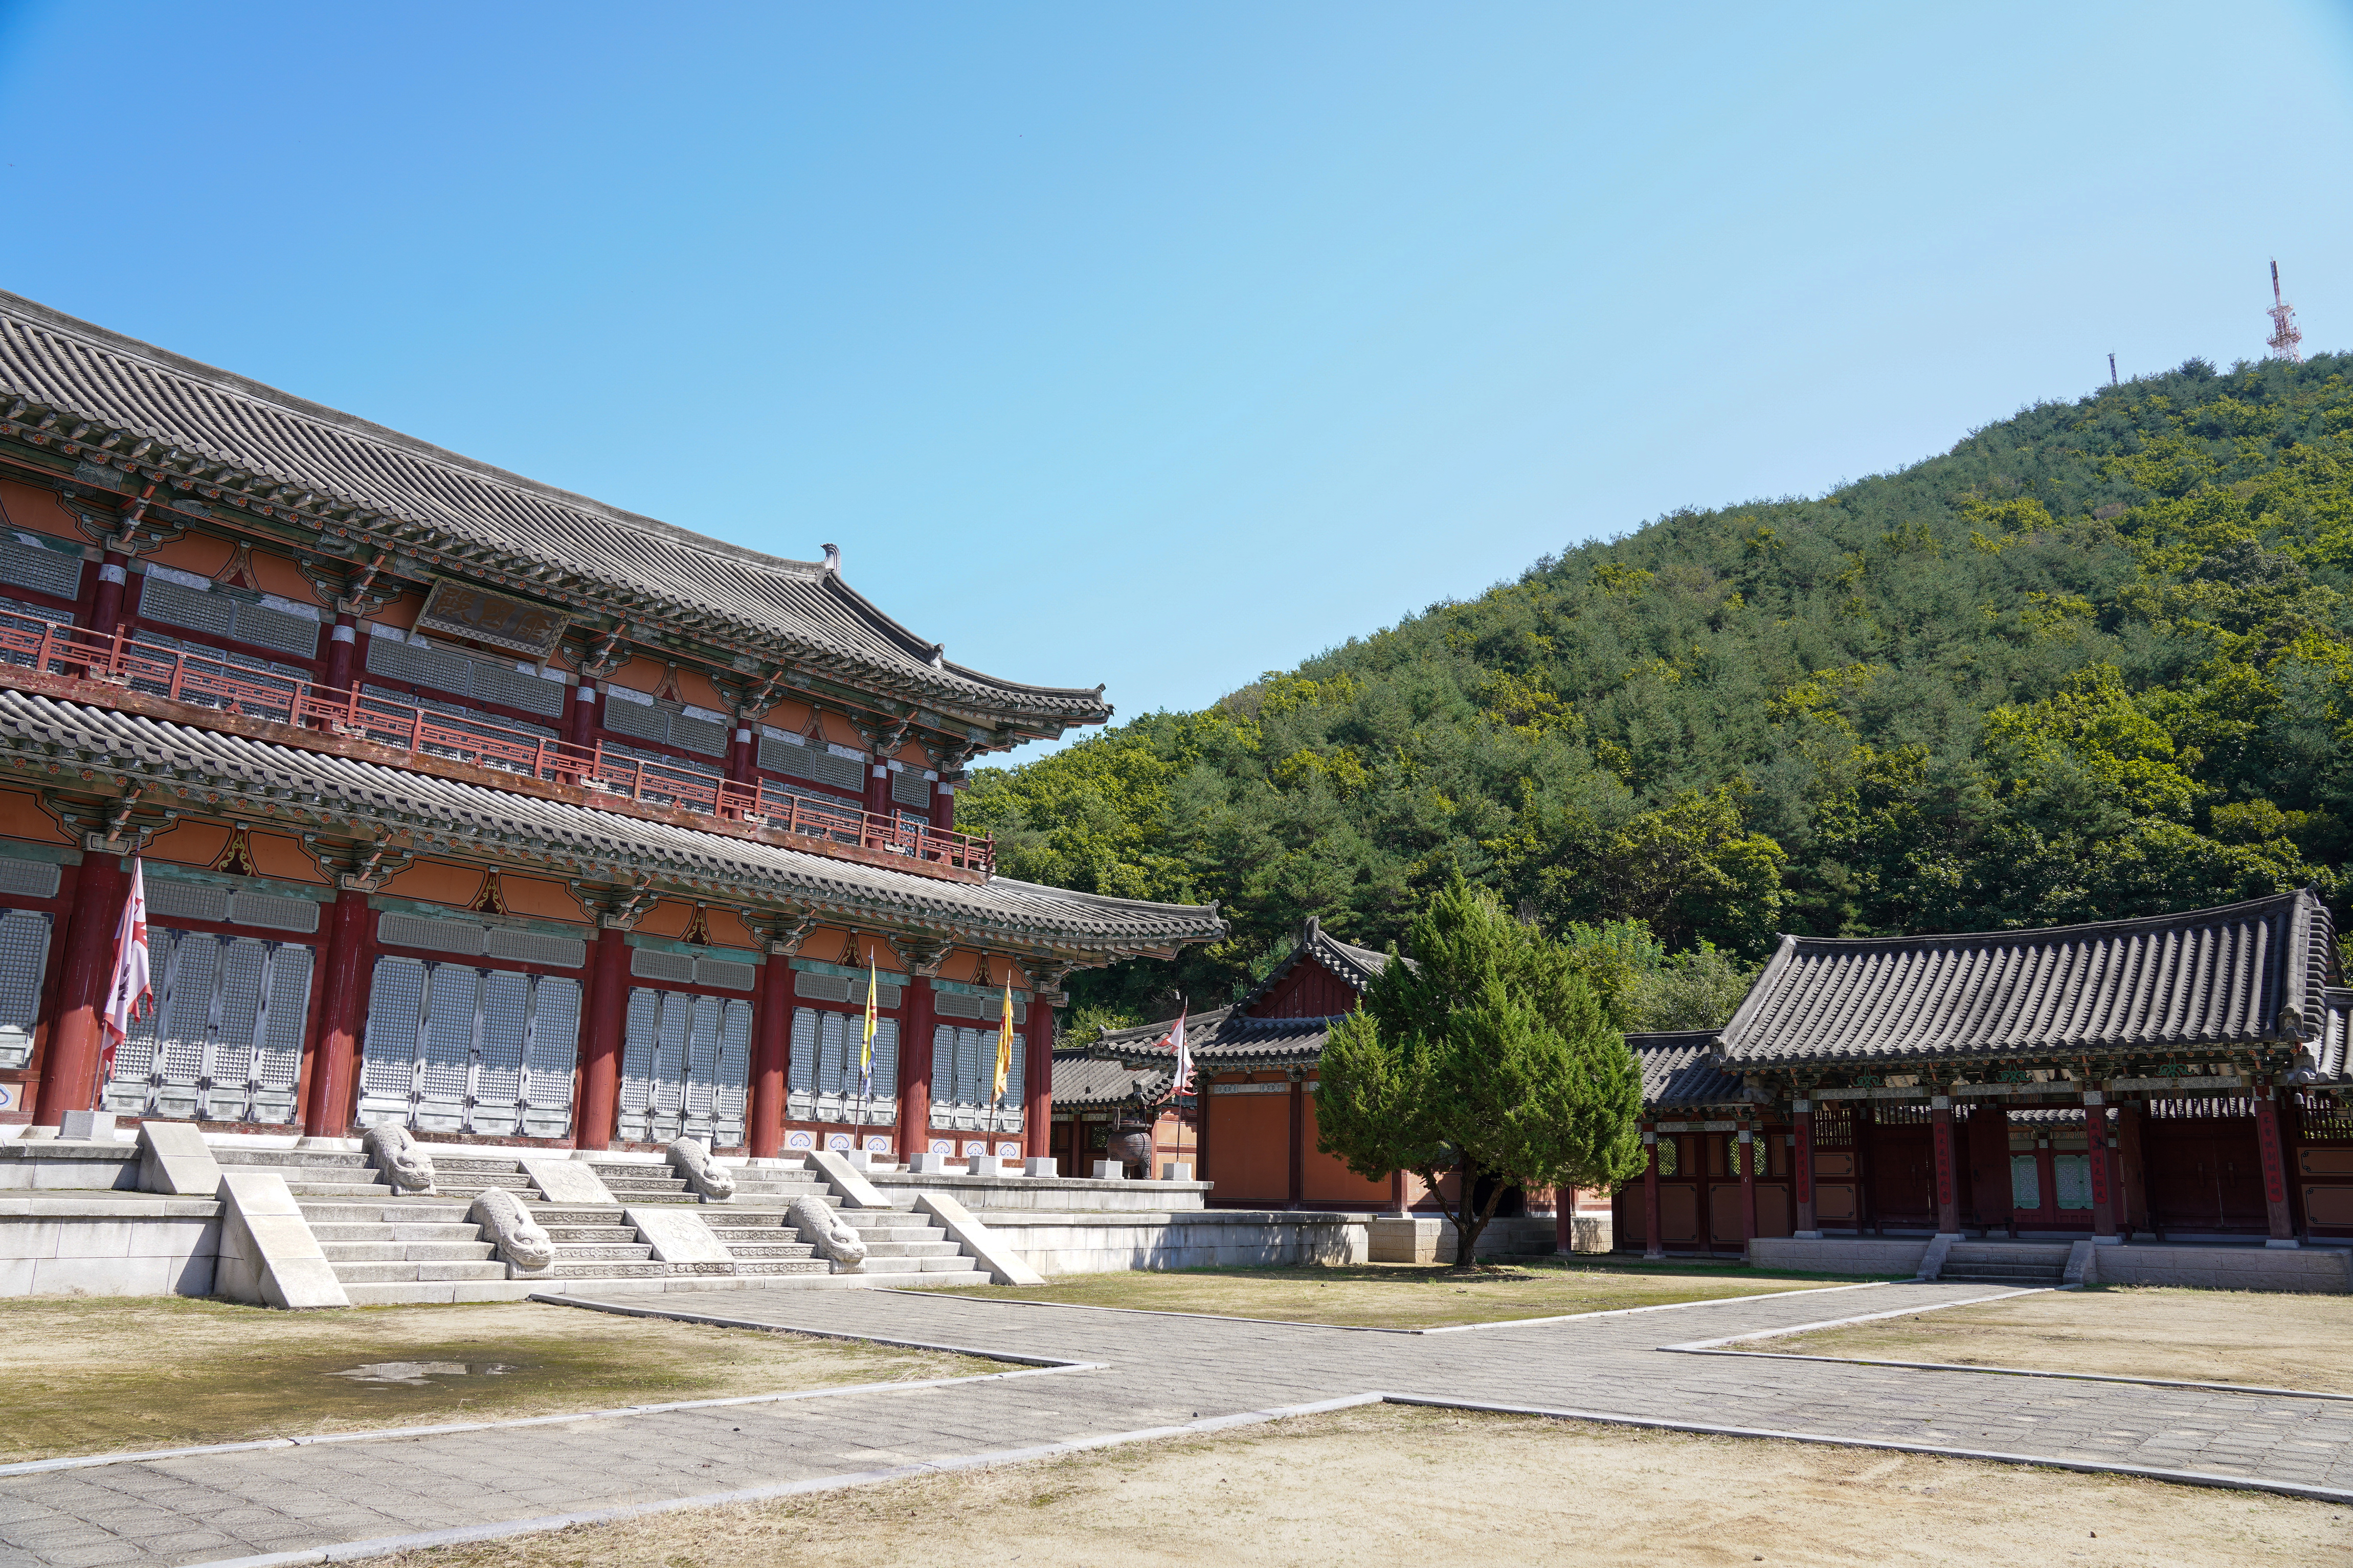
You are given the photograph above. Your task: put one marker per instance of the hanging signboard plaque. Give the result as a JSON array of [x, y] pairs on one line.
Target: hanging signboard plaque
[[460, 609]]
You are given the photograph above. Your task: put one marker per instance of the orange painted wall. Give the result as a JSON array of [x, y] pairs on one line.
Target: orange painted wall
[[199, 552], [437, 882], [21, 816], [278, 574], [546, 899], [279, 856], [641, 675], [793, 718], [1326, 1179], [668, 918], [36, 512], [401, 612], [1249, 1145], [190, 843]]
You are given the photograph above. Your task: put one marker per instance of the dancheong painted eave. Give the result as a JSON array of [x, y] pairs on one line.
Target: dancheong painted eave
[[147, 411], [253, 779], [2250, 973]]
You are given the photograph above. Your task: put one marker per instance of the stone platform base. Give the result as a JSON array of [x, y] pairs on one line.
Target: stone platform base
[[1841, 1254], [1426, 1238], [2324, 1270], [1100, 1242]]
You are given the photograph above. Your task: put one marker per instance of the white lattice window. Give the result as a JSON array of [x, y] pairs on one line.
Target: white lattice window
[[454, 1049], [24, 962], [823, 1084], [964, 1070], [685, 1062], [224, 1042]]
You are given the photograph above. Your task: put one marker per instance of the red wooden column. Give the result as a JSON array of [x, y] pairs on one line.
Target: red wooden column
[[1038, 1068], [765, 1134], [584, 713], [915, 1055], [1744, 1141], [1940, 1131], [944, 805], [342, 639], [77, 1040], [878, 786], [601, 1041], [1802, 1169], [1298, 1135], [1651, 1245], [106, 607], [2267, 1143], [333, 1066], [2095, 1157]]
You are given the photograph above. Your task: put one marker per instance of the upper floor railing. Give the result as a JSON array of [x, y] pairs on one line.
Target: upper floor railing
[[217, 680]]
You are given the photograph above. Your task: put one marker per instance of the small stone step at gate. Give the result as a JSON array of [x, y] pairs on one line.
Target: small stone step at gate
[[641, 1182], [2000, 1263]]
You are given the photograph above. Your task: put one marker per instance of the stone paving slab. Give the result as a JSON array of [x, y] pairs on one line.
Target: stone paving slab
[[1147, 1374]]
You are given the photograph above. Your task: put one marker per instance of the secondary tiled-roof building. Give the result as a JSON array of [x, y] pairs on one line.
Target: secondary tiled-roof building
[[2182, 1075], [1093, 1095], [467, 803]]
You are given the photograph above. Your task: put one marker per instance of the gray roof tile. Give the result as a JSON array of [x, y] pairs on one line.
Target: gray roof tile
[[176, 757], [1084, 1079], [800, 609], [2241, 974], [1679, 1074]]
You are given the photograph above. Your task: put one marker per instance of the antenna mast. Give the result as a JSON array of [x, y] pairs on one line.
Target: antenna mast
[[2285, 333]]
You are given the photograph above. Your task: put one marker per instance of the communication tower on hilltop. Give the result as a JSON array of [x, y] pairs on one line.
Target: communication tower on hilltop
[[2284, 335]]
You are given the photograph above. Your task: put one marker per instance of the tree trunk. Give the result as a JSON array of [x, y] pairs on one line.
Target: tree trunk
[[1471, 1217]]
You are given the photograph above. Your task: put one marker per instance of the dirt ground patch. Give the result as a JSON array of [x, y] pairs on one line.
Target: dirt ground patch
[[1397, 1296], [115, 1374], [2211, 1336], [1433, 1489]]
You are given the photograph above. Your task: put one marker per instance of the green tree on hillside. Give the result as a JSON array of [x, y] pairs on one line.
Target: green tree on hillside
[[2095, 660], [1486, 1057]]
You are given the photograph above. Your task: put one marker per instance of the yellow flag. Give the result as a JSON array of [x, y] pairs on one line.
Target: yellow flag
[[1004, 1045], [866, 1050]]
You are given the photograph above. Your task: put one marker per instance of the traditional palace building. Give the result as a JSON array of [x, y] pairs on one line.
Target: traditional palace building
[[2182, 1077], [469, 804]]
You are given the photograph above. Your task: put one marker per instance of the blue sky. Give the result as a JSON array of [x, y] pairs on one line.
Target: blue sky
[[1164, 345]]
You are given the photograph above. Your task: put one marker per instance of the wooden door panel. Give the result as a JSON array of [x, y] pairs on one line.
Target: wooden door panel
[[1724, 1214], [1773, 1210], [1678, 1213], [1834, 1204]]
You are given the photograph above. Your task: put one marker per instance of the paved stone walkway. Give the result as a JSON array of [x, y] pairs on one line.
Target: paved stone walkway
[[1158, 1372]]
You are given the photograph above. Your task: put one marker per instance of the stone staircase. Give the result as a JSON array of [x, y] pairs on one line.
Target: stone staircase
[[2017, 1263], [390, 1248]]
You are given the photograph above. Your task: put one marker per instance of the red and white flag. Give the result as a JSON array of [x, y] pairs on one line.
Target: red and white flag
[[1182, 1083], [132, 993]]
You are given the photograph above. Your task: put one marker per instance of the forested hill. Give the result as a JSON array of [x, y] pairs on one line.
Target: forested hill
[[2094, 661]]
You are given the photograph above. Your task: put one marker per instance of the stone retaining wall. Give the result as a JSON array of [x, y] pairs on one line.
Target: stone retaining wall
[[2324, 1270], [1102, 1242], [105, 1246], [1061, 1193], [1839, 1254]]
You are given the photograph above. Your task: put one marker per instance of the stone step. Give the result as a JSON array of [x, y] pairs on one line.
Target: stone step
[[603, 1234], [2023, 1254], [339, 1189], [1987, 1274], [912, 1250], [603, 1268], [752, 1251], [395, 1273], [955, 1265], [382, 1230], [573, 1214], [476, 1165], [312, 1159], [406, 1251], [783, 1266], [395, 1213], [623, 1251]]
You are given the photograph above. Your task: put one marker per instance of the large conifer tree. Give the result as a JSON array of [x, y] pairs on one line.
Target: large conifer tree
[[1483, 1054]]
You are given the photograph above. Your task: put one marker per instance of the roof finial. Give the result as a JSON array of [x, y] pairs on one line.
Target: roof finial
[[833, 559]]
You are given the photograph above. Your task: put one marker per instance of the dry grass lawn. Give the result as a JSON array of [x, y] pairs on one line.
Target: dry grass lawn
[[2210, 1336], [122, 1373], [1400, 1296], [1433, 1489]]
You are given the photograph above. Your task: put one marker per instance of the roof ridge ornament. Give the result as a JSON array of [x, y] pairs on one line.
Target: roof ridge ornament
[[833, 560]]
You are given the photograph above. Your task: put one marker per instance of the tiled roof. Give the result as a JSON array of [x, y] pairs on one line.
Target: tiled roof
[[263, 778], [2329, 1048], [1679, 1074], [794, 609], [1080, 1078], [2242, 973], [1225, 1039]]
